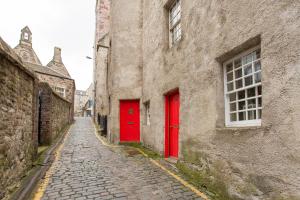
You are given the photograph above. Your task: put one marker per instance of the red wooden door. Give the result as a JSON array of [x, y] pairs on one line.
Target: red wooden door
[[172, 124], [130, 121]]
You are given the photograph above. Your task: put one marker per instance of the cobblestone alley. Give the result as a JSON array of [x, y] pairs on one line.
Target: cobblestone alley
[[87, 169]]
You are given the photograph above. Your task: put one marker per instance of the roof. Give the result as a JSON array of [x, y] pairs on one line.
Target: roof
[[26, 28], [27, 53], [44, 70], [9, 53], [58, 68]]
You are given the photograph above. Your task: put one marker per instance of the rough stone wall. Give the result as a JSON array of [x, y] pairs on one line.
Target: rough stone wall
[[55, 113], [125, 67], [255, 163], [60, 114], [101, 93], [101, 58], [18, 134], [55, 81], [102, 19]]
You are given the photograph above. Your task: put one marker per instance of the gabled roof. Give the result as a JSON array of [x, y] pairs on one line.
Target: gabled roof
[[45, 70], [27, 54], [24, 48], [26, 29], [56, 63]]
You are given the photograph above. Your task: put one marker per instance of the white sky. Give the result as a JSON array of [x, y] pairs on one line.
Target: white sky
[[68, 24]]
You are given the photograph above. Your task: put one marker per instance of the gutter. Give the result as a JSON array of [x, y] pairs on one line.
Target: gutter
[[30, 183]]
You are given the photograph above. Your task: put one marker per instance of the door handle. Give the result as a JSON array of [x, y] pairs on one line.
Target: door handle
[[130, 123], [174, 126]]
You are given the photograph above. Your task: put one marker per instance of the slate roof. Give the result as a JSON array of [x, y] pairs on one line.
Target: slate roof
[[44, 70]]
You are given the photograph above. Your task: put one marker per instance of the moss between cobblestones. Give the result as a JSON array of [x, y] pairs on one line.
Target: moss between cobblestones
[[148, 152]]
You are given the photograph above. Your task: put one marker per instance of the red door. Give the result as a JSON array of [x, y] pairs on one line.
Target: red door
[[130, 121], [172, 125]]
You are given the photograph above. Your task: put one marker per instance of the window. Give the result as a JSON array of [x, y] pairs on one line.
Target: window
[[61, 91], [243, 89], [26, 36], [147, 113], [175, 22]]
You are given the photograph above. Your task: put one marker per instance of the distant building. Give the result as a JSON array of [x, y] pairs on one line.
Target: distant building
[[89, 105], [55, 73], [79, 103], [84, 102]]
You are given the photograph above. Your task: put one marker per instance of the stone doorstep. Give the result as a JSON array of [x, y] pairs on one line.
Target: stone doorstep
[[29, 184]]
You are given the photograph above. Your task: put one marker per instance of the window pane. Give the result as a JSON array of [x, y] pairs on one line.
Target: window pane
[[247, 69], [238, 73], [232, 97], [242, 105], [259, 90], [232, 107], [252, 115], [239, 84], [230, 76], [259, 102], [242, 116], [252, 103], [237, 63], [251, 92], [233, 117], [257, 54], [248, 81], [259, 114], [257, 66], [241, 94], [229, 67], [247, 59], [257, 77], [229, 87]]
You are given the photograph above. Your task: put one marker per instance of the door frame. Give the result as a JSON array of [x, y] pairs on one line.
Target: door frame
[[139, 101], [167, 120]]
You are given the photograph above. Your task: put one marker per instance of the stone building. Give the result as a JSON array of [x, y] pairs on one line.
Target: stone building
[[101, 60], [215, 84], [89, 104], [55, 73], [79, 102], [84, 102]]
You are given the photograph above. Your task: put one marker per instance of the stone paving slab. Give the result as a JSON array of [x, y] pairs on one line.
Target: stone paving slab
[[87, 169]]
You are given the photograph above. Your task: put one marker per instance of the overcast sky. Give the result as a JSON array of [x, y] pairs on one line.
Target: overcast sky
[[68, 24]]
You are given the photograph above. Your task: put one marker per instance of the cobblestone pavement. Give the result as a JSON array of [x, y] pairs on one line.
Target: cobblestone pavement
[[87, 169]]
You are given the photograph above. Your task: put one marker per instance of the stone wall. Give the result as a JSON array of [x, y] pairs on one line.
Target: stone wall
[[66, 83], [19, 118], [18, 133], [101, 58], [125, 69], [55, 114], [252, 162]]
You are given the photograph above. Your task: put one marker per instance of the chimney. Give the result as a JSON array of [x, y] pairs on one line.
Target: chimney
[[57, 55]]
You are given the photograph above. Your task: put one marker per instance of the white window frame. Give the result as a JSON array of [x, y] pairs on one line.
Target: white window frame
[[63, 92], [177, 24], [245, 123]]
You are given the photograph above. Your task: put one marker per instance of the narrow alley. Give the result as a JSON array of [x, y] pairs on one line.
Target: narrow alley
[[86, 169]]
